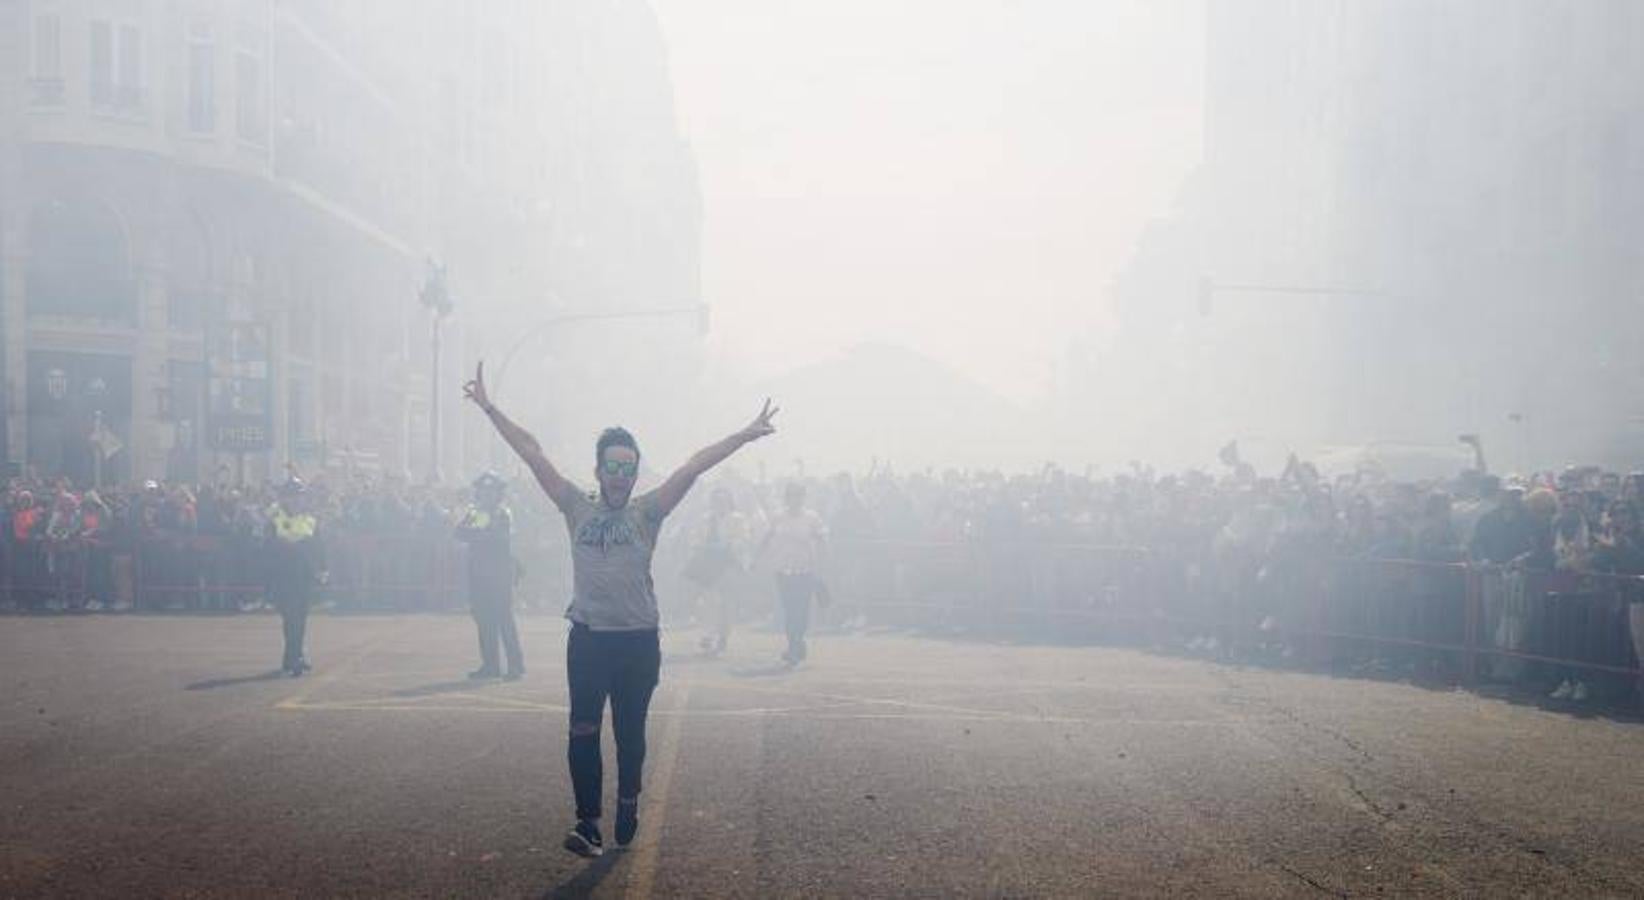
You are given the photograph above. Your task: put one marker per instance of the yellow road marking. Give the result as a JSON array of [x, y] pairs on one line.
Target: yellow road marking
[[824, 711], [786, 712], [1002, 715], [504, 701], [387, 706], [829, 706], [642, 872]]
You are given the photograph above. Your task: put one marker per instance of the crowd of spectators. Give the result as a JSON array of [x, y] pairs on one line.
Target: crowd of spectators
[[1230, 530], [1581, 519], [199, 544], [1556, 555]]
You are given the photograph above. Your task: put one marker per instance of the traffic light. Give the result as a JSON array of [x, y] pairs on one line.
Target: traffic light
[[1207, 290], [434, 293], [702, 319]]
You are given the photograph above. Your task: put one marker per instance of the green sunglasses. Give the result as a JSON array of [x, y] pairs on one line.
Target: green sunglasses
[[618, 467]]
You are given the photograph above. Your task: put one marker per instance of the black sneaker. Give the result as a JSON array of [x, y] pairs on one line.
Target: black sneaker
[[584, 839], [514, 674], [627, 821], [482, 674]]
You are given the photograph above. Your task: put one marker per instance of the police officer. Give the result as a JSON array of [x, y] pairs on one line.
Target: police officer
[[486, 527], [296, 568]]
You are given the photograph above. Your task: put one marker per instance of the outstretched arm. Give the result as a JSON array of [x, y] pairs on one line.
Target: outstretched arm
[[679, 484], [523, 443]]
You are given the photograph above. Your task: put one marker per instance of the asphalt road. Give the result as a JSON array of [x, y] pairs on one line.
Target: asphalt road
[[157, 755]]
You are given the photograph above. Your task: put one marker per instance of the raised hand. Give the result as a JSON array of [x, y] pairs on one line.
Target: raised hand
[[761, 425], [475, 389]]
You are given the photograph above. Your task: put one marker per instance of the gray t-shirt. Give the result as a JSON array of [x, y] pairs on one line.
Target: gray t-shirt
[[611, 563]]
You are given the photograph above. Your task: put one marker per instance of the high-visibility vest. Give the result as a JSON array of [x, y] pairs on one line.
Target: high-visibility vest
[[290, 528]]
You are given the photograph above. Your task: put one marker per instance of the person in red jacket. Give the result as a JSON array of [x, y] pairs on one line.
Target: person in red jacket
[[23, 547]]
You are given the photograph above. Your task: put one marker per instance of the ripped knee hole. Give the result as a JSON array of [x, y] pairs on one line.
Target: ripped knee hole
[[584, 729]]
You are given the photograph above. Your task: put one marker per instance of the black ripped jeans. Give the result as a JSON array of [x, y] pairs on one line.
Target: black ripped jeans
[[624, 666]]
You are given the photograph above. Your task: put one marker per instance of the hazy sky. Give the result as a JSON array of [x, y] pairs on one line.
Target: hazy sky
[[959, 176]]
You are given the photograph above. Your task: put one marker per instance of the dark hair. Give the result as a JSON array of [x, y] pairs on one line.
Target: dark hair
[[615, 436]]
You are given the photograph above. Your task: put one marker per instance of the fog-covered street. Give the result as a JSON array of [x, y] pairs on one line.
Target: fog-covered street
[[160, 762]]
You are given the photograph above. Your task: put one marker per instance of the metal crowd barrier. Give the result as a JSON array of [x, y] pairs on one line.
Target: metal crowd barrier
[[41, 574], [1574, 621], [400, 573], [1469, 621], [959, 583], [1474, 621], [174, 571]]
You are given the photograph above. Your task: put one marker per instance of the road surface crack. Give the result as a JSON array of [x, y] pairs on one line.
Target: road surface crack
[[1372, 805], [1308, 879]]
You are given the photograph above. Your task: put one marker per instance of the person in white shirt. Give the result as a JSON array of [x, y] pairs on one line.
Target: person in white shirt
[[719, 555], [795, 547]]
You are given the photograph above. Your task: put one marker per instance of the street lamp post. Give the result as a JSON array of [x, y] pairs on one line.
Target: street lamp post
[[437, 298]]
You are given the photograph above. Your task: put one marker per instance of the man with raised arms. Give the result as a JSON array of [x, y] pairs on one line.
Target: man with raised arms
[[614, 651]]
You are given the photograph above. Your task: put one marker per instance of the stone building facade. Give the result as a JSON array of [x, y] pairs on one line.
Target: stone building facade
[[217, 218]]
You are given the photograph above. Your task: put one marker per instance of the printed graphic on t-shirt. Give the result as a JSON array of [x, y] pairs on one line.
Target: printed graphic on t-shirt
[[607, 531]]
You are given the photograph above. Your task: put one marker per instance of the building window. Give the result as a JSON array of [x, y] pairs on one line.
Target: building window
[[102, 64], [202, 89], [48, 47], [48, 60], [128, 81], [116, 66], [251, 107]]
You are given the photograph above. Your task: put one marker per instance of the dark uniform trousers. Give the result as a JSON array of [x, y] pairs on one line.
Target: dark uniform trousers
[[295, 561], [293, 602], [491, 585], [493, 607]]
